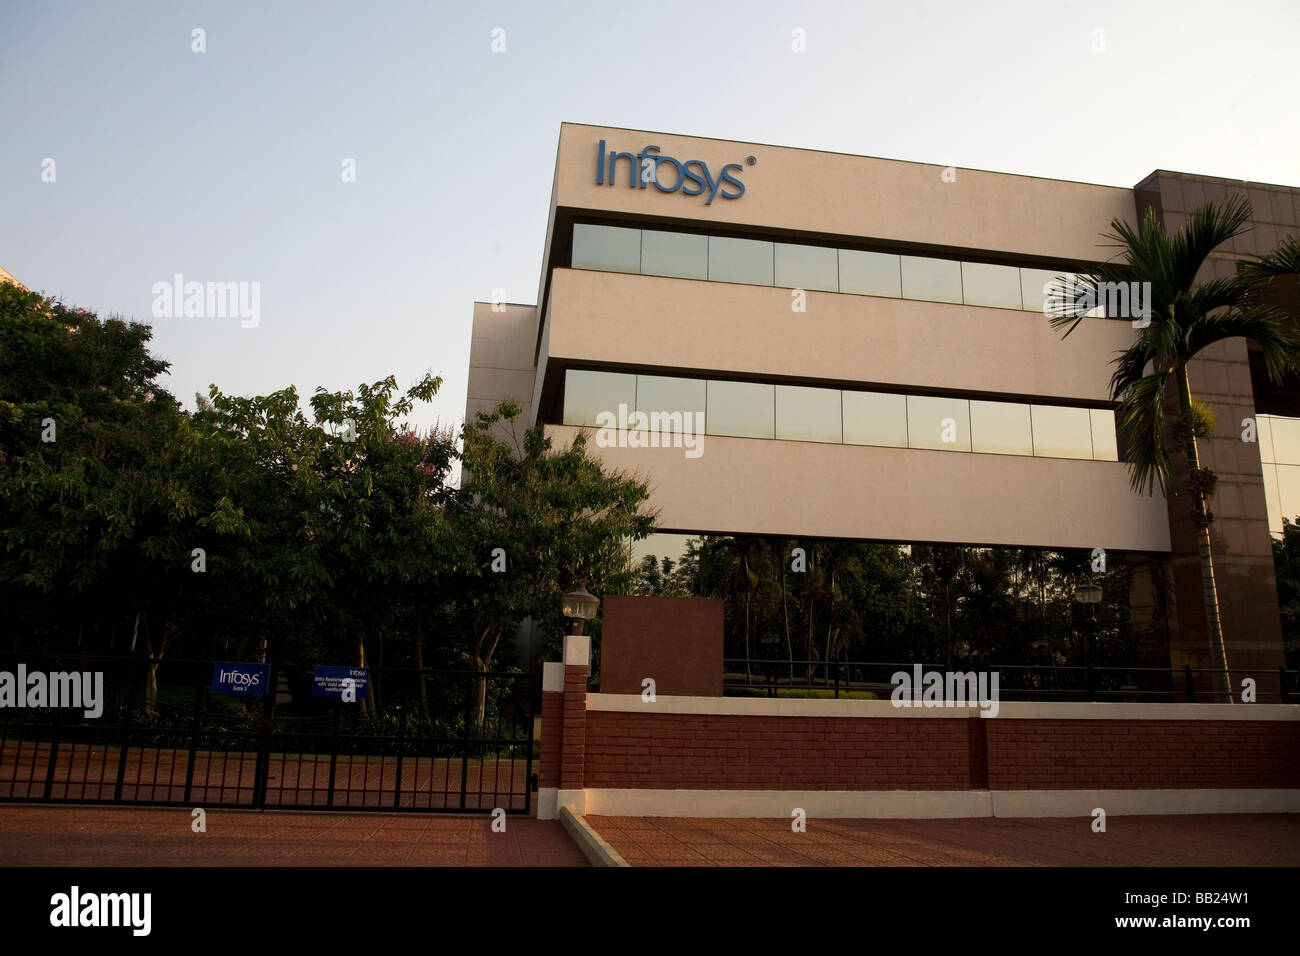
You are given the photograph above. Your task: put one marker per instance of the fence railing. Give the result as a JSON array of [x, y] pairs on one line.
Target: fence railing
[[1024, 682], [439, 740]]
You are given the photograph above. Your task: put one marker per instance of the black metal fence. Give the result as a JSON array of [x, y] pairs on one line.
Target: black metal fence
[[416, 740], [780, 678]]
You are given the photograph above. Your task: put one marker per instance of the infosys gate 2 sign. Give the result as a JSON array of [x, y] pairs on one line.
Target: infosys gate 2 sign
[[691, 178]]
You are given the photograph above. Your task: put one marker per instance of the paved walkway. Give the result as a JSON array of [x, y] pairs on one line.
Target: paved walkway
[[145, 836], [1192, 840]]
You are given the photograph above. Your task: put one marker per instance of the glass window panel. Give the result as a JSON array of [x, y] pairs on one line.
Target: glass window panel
[[1286, 440], [1000, 428], [807, 267], [1288, 492], [998, 286], [1271, 499], [942, 423], [1264, 432], [874, 418], [740, 260], [663, 393], [740, 409], [935, 280], [870, 273], [1061, 432], [1032, 282], [1104, 447], [808, 414], [676, 254], [1056, 289], [586, 394], [606, 248]]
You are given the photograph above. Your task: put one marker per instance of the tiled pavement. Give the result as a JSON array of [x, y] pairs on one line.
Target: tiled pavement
[[32, 835], [1192, 840], [139, 836]]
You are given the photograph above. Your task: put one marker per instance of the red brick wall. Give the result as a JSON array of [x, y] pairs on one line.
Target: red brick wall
[[1142, 755], [548, 768], [574, 734], [716, 752], [675, 641], [707, 752]]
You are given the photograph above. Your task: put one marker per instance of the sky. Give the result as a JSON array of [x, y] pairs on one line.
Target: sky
[[228, 165]]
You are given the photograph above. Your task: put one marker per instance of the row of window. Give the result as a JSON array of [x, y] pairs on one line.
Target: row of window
[[846, 416], [1279, 455], [792, 266]]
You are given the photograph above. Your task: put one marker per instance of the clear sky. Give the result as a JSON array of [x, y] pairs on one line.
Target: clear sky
[[226, 165]]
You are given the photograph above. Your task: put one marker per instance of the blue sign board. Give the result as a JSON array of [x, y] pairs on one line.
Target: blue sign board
[[328, 681], [240, 678]]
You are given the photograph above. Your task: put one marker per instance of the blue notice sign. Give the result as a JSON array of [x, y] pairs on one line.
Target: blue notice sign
[[328, 681], [240, 678]]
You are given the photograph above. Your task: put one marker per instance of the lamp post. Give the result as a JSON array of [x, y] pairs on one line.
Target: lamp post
[[579, 606], [1089, 594]]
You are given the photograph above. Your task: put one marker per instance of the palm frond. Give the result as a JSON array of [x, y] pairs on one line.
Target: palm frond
[[1270, 328], [1141, 421], [1210, 226], [1282, 261]]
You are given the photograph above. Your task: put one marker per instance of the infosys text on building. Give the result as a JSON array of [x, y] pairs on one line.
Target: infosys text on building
[[693, 177]]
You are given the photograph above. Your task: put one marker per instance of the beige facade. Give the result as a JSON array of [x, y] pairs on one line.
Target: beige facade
[[713, 329]]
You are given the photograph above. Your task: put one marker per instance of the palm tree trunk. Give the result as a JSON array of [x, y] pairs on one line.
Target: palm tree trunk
[[785, 614], [1209, 589]]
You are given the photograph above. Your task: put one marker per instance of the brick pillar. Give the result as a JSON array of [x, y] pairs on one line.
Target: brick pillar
[[564, 730]]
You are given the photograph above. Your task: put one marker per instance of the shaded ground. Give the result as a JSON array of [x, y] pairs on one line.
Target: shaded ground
[[1191, 840], [144, 836]]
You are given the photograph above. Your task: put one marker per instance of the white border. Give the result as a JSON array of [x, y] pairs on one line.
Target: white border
[[932, 804], [1015, 710]]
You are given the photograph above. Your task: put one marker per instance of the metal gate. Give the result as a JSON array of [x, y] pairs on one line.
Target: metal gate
[[414, 742]]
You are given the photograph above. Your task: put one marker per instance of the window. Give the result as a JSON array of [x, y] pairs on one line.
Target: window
[[1001, 428], [676, 254], [740, 260], [870, 273], [1061, 432], [997, 286], [1103, 434], [606, 248], [875, 418], [807, 267], [740, 409], [808, 414], [940, 423], [935, 280], [659, 393], [587, 394]]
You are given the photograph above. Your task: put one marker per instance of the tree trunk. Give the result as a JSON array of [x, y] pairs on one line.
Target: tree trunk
[[1209, 589], [482, 659], [785, 614], [364, 704], [419, 663]]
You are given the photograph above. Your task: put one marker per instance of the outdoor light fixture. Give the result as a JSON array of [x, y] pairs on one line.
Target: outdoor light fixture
[[580, 606], [1088, 594]]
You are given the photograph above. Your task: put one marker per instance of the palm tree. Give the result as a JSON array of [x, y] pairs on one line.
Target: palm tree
[[1282, 261], [1185, 317], [737, 559]]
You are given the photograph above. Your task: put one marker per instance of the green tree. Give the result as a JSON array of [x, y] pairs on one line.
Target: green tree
[[1185, 316], [538, 522]]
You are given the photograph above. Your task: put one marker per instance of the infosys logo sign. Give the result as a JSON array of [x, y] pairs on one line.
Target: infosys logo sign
[[691, 178]]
